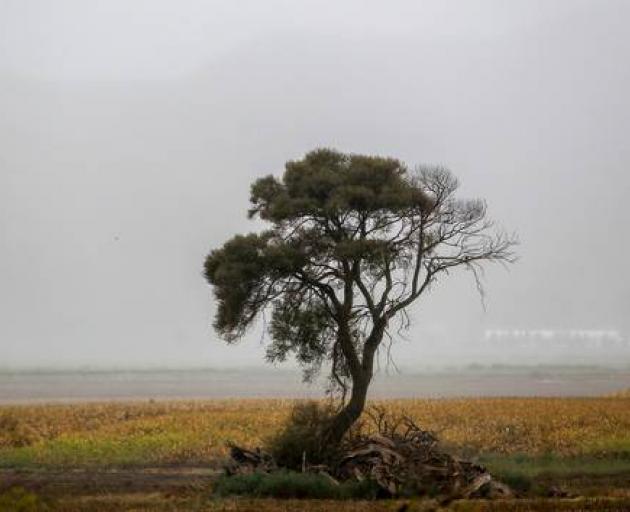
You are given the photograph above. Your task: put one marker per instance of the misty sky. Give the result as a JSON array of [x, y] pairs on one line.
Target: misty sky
[[131, 130]]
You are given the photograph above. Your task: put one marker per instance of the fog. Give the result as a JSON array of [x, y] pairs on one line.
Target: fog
[[130, 132]]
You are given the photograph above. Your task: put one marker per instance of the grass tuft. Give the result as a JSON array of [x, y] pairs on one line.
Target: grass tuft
[[290, 485], [17, 499]]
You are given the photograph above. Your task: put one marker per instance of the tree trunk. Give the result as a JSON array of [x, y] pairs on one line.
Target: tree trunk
[[351, 412], [361, 376]]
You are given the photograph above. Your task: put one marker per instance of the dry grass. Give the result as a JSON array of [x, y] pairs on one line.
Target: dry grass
[[195, 432], [581, 444], [624, 393]]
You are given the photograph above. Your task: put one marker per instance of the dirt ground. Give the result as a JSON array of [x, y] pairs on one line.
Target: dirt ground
[[57, 483], [189, 488]]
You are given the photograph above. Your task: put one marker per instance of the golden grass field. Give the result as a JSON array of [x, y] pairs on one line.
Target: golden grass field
[[533, 436], [196, 432]]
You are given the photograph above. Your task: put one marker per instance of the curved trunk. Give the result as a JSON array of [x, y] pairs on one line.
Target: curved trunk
[[360, 369], [361, 379], [351, 411]]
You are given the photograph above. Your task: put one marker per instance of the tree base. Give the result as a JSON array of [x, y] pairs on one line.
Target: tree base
[[402, 459]]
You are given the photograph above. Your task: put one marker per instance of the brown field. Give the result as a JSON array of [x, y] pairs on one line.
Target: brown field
[[164, 455]]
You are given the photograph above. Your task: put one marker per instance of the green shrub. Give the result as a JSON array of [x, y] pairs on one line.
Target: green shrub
[[289, 484], [302, 436], [17, 499], [517, 482]]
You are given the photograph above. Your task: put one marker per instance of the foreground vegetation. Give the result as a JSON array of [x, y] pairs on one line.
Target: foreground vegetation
[[579, 444], [28, 502]]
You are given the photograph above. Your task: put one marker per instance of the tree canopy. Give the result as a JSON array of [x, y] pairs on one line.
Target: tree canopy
[[353, 241]]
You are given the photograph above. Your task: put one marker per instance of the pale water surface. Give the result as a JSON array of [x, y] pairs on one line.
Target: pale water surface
[[72, 386]]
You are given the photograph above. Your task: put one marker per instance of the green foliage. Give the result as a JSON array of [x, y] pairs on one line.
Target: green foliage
[[289, 484], [17, 499], [520, 470], [327, 182], [303, 434], [518, 482], [313, 208], [306, 323]]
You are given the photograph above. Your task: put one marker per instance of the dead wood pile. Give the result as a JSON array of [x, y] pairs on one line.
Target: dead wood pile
[[404, 459], [401, 458], [244, 462]]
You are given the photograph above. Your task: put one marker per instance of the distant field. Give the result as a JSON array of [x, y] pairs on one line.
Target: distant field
[[582, 444]]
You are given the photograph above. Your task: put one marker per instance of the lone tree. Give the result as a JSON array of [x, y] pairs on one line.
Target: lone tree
[[354, 241]]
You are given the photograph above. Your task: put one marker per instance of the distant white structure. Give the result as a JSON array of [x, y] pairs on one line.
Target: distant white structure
[[548, 338]]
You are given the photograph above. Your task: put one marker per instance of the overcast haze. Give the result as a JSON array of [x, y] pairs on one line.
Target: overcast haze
[[130, 132]]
